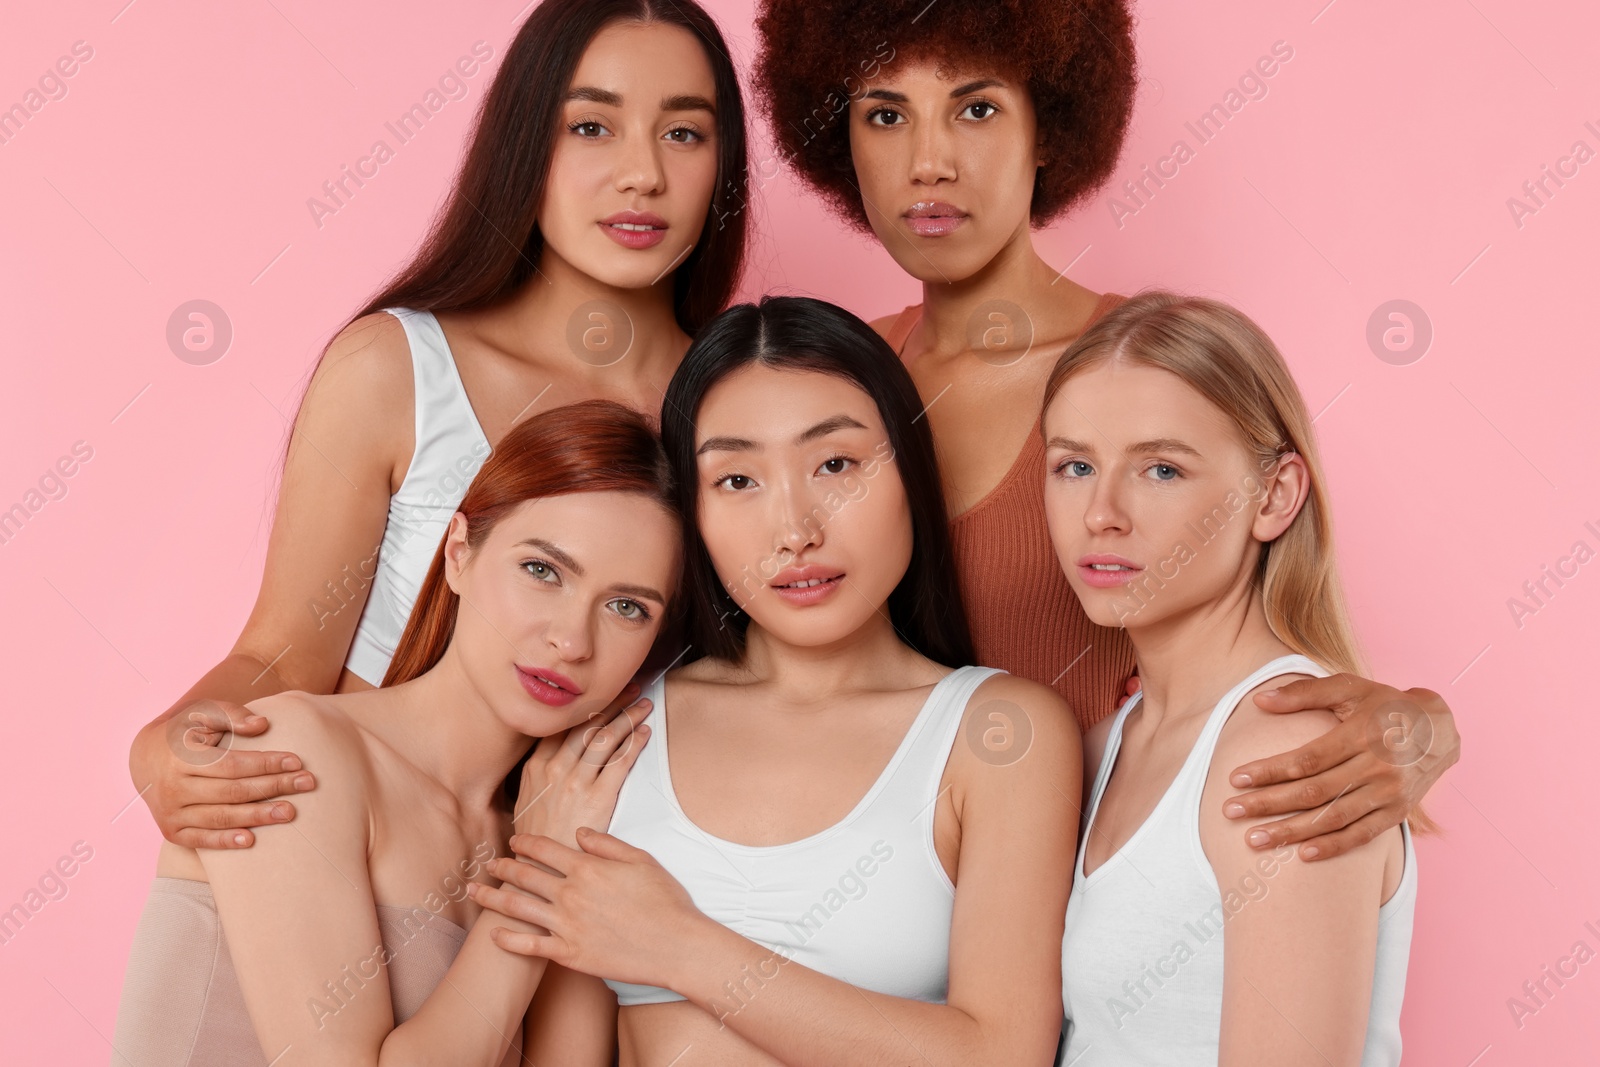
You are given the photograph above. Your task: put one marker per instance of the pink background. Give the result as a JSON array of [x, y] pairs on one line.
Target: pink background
[[1377, 167]]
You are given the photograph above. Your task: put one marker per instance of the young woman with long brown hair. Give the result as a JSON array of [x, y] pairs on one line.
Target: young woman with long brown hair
[[1187, 506], [594, 226], [349, 938], [950, 132]]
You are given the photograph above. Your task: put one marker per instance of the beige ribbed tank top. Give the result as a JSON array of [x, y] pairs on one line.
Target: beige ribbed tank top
[[1025, 618], [181, 1003]]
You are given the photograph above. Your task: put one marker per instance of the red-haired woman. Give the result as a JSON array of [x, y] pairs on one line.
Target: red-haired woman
[[349, 937], [950, 131], [590, 232]]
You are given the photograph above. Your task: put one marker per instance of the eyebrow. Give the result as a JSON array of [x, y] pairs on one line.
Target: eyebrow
[[637, 592], [896, 97], [1155, 444], [744, 444], [680, 102]]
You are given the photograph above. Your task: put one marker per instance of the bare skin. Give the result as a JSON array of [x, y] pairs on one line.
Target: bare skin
[[353, 439], [970, 140], [781, 746]]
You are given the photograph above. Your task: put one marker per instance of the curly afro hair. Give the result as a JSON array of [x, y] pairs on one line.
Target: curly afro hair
[[1075, 56]]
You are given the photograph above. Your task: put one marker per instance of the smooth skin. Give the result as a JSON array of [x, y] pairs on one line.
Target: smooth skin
[[410, 805], [784, 744], [971, 139], [353, 437], [1136, 459]]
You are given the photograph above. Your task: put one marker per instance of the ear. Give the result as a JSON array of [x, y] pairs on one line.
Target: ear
[[456, 551], [1287, 490]]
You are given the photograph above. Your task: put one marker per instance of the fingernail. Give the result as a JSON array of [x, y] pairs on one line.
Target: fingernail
[[292, 763], [584, 831], [240, 839], [280, 812], [303, 781], [1240, 779], [1310, 852], [1259, 838], [1269, 692], [1233, 809]]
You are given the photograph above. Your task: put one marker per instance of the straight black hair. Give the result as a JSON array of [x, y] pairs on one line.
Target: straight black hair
[[485, 243], [801, 333]]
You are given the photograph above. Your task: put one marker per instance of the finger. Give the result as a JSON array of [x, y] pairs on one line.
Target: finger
[[524, 876], [243, 764], [195, 837], [597, 843], [1351, 837], [196, 791], [546, 850], [1340, 743], [526, 944], [623, 759], [511, 904], [223, 716], [1335, 692], [1303, 794], [235, 816], [1342, 811], [1133, 685], [615, 736]]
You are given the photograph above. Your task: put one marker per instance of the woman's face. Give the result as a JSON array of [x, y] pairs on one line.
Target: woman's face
[[1156, 506], [635, 161], [946, 166], [800, 503], [561, 603]]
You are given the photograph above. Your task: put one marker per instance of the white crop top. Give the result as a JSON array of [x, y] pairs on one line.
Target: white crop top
[[450, 448], [1141, 958], [865, 901]]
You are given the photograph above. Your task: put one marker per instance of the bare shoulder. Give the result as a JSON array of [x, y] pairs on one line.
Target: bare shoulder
[[369, 360], [1011, 720], [1251, 733], [314, 727]]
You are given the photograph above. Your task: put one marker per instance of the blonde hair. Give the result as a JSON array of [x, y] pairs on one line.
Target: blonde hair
[[1219, 352]]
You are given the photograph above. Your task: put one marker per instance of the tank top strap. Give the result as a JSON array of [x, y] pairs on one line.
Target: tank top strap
[[442, 406], [1206, 744], [902, 326], [915, 781]]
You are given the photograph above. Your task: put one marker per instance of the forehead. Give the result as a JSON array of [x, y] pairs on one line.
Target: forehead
[[1122, 402], [648, 58], [762, 403]]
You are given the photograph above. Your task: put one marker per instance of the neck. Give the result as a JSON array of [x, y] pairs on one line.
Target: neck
[[1017, 274], [1187, 661], [546, 316], [809, 674], [443, 725]]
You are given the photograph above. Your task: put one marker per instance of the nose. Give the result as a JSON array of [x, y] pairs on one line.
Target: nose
[[798, 517], [932, 159], [639, 167], [1105, 511], [570, 632]]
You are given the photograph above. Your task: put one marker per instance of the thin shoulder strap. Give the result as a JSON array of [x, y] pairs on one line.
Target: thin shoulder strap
[[904, 323]]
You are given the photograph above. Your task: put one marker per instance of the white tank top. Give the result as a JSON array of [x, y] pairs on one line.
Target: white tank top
[[865, 901], [450, 448], [1141, 958]]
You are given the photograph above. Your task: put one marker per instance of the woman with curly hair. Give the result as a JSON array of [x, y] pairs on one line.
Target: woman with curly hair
[[951, 142]]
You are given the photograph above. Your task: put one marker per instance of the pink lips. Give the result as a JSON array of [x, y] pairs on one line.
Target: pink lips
[[548, 687], [933, 218], [1105, 571], [635, 229], [804, 586]]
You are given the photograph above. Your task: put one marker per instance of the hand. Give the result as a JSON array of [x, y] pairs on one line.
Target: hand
[[572, 778], [1370, 771], [201, 792], [611, 909]]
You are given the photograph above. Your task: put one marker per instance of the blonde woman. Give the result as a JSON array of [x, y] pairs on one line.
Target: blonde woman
[[1187, 506]]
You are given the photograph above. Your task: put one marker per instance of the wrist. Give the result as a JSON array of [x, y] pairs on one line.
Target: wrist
[[706, 956]]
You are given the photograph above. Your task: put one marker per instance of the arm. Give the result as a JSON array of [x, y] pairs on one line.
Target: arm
[[572, 1021], [613, 910], [1374, 766], [1300, 948], [353, 431], [298, 912]]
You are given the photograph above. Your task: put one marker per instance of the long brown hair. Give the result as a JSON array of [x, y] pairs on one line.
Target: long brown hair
[[592, 446], [485, 243], [1224, 356]]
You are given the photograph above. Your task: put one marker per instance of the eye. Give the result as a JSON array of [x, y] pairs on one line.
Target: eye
[[630, 609], [542, 571], [694, 135], [981, 105], [1163, 472], [889, 115], [836, 464], [735, 482], [586, 124], [1074, 468]]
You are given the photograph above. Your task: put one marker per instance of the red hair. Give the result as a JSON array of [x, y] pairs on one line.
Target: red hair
[[595, 446]]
